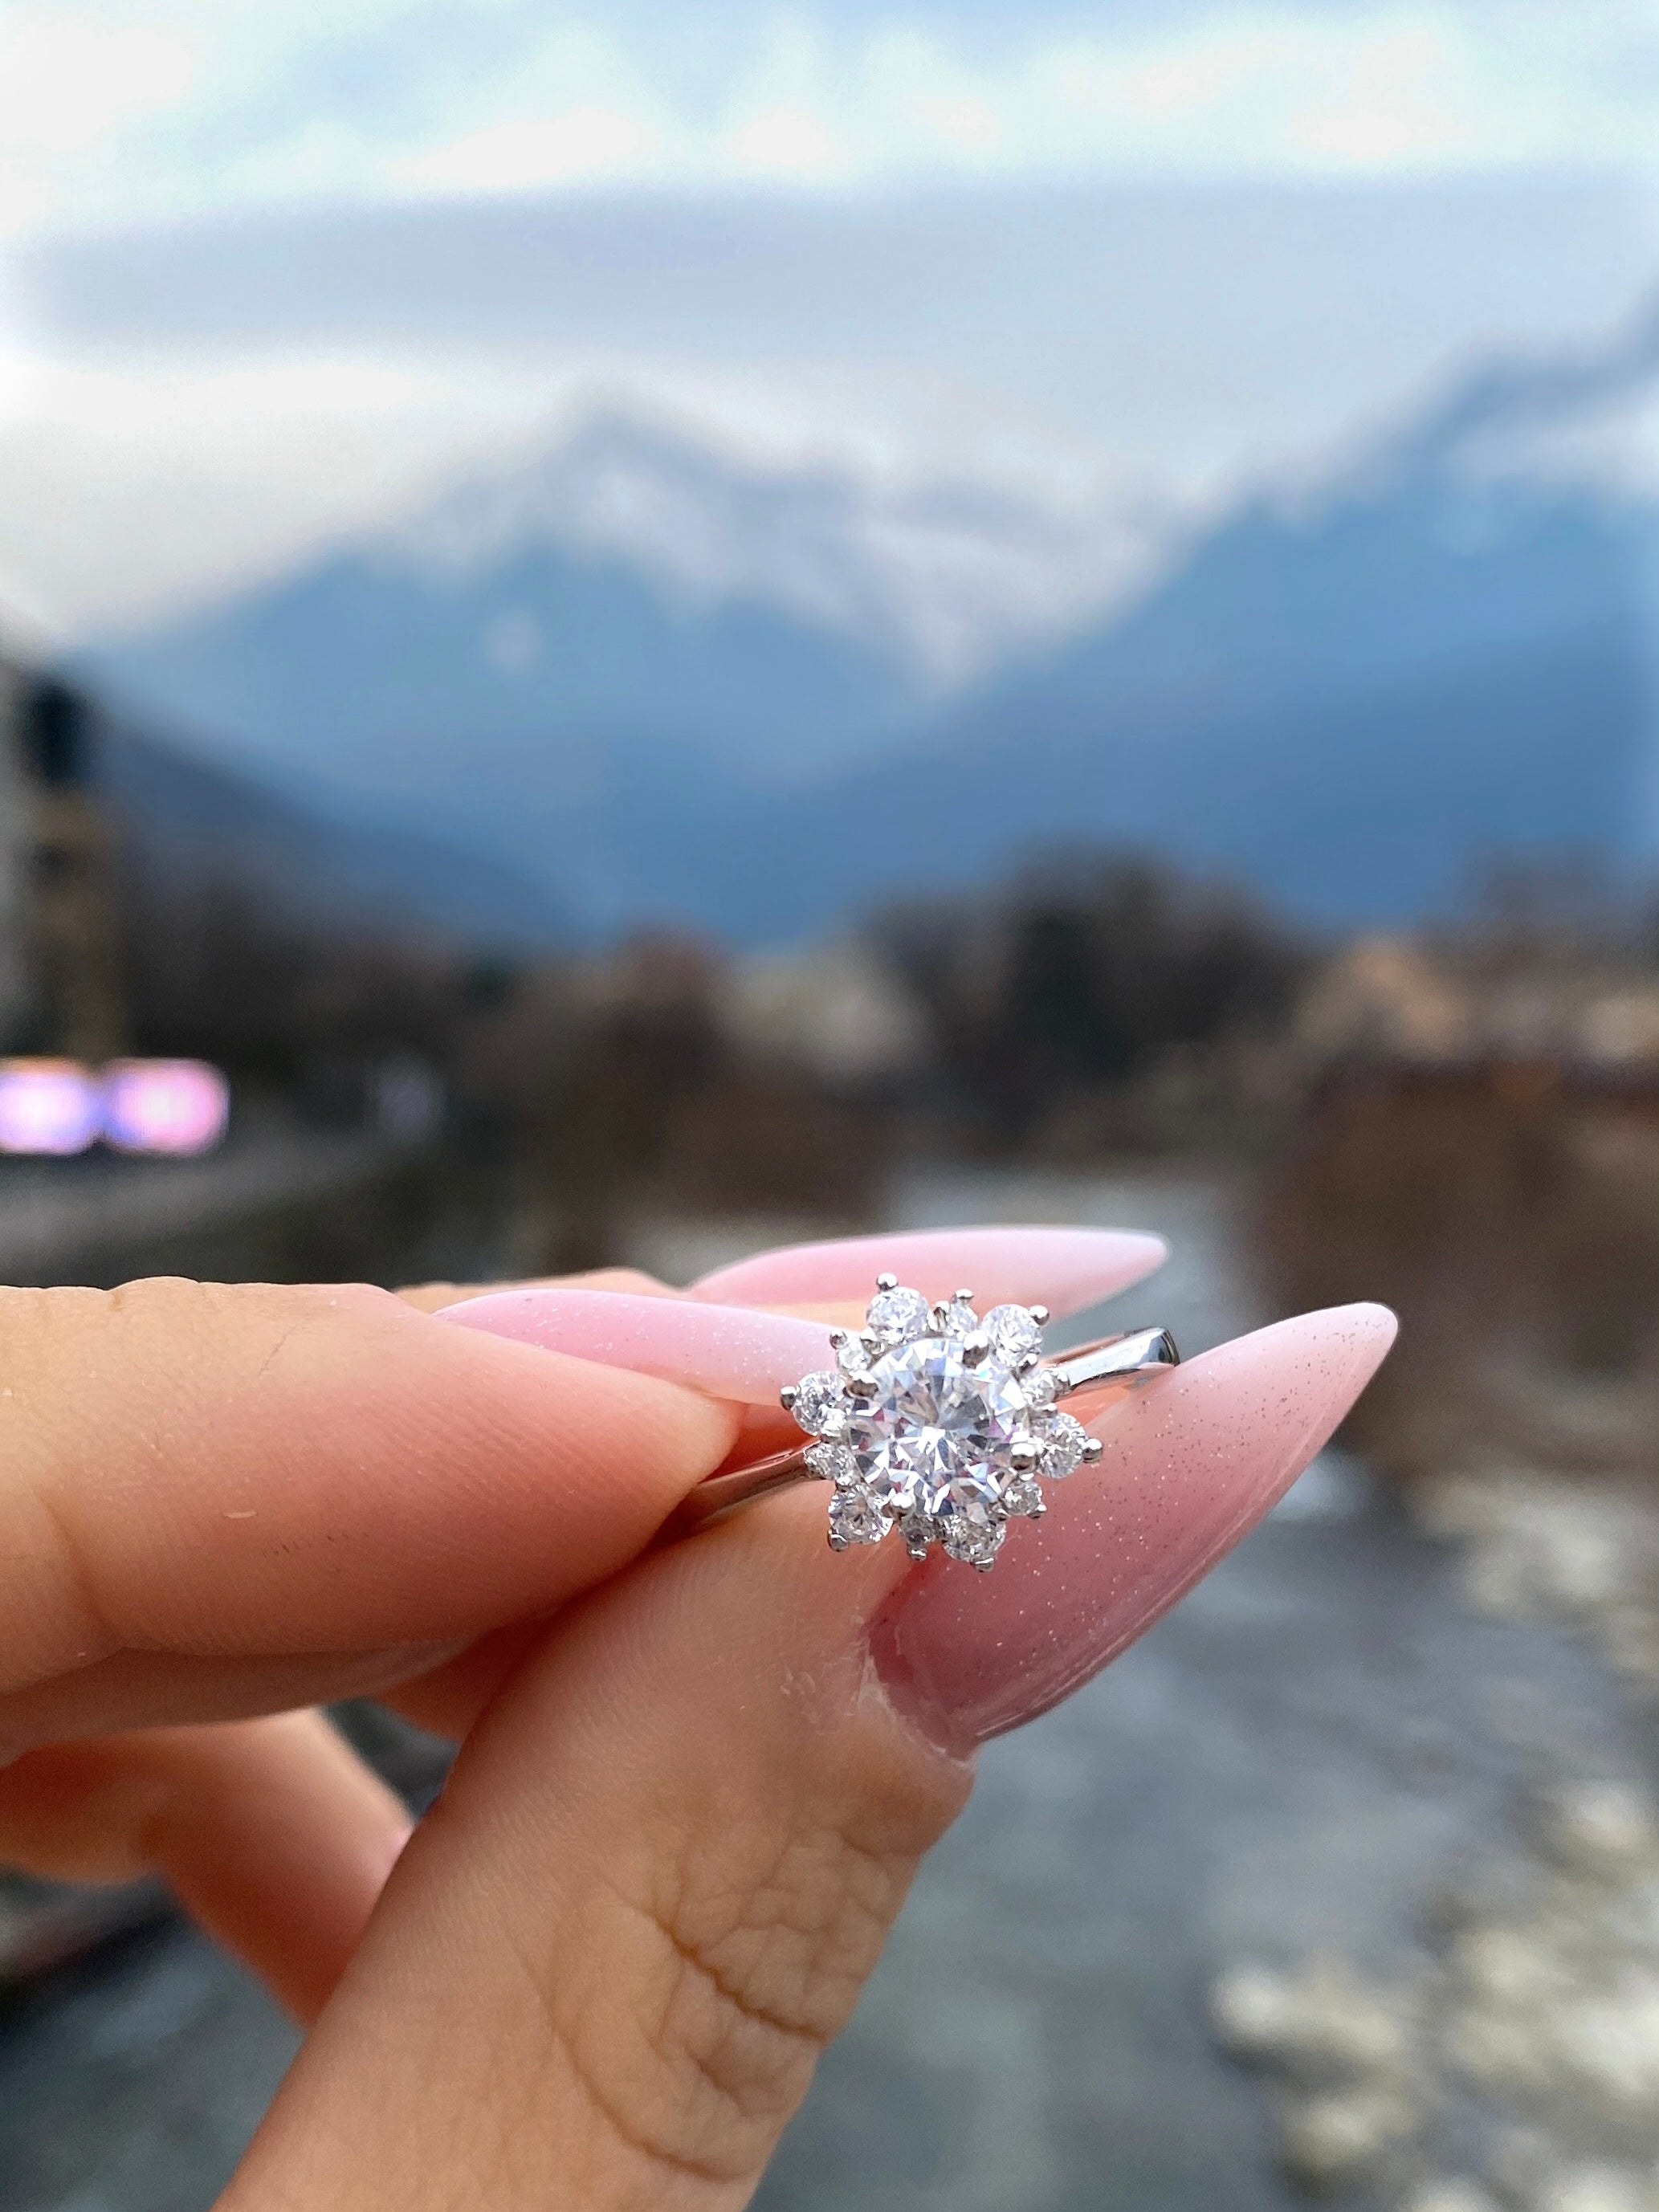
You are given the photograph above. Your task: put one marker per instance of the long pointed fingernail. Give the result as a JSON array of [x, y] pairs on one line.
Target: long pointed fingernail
[[1191, 1464], [727, 1352], [1065, 1268]]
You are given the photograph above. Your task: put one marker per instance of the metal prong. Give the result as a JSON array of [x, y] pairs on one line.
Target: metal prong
[[983, 1566], [884, 1282], [838, 1543], [1027, 1362], [873, 1346], [939, 1316], [1039, 1314], [859, 1386], [1023, 1454], [839, 1337], [787, 1396], [965, 1297], [916, 1546], [975, 1348], [1092, 1451]]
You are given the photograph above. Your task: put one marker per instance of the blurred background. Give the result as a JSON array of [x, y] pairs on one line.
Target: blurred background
[[640, 632]]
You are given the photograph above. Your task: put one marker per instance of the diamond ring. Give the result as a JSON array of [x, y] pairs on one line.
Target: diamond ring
[[938, 1422]]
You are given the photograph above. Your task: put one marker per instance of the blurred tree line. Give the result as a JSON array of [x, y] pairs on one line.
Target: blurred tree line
[[1098, 1001], [1082, 1006]]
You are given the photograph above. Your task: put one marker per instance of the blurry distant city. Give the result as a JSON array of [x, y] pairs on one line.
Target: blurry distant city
[[618, 644]]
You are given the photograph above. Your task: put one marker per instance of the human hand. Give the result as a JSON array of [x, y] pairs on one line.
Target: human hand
[[694, 1785]]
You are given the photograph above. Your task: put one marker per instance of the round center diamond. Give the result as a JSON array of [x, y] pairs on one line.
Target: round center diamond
[[935, 1436]]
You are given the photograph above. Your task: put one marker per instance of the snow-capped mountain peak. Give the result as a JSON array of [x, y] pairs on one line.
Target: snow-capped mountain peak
[[1589, 418], [945, 577]]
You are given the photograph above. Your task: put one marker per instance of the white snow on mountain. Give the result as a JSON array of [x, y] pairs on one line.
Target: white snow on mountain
[[948, 577], [953, 577], [1586, 417]]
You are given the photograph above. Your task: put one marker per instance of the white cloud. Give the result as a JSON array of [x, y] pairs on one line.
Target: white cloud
[[74, 88], [71, 79], [114, 110], [786, 142], [134, 482], [1395, 89], [524, 153]]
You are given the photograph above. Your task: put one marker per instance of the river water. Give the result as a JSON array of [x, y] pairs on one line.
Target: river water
[[1299, 1758]]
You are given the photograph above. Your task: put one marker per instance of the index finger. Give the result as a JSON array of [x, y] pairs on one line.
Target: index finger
[[219, 1498]]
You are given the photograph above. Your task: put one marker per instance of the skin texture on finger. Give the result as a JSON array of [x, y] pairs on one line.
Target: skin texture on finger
[[272, 1833], [149, 1689], [650, 1893], [669, 1854], [1192, 1462], [447, 1698], [1063, 1268], [243, 1482]]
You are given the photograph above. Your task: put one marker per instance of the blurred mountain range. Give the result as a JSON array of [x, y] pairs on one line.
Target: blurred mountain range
[[191, 824], [642, 682]]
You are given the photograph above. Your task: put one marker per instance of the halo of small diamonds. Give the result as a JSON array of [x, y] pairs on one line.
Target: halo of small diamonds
[[936, 1424]]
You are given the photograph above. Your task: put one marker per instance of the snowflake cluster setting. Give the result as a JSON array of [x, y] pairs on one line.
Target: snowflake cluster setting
[[938, 1422]]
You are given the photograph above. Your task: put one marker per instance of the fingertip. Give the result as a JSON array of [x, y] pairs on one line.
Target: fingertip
[[1192, 1463], [1323, 1356], [1064, 1268]]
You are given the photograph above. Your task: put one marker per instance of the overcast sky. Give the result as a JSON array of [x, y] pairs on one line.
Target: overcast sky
[[267, 266], [114, 109]]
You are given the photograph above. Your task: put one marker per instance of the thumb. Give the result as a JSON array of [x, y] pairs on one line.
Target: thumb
[[671, 1851], [662, 1868]]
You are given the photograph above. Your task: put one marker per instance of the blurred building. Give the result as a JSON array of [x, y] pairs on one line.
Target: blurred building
[[60, 938], [834, 1013], [1410, 1002]]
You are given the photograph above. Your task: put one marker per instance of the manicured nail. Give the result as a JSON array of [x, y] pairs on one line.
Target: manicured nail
[[1192, 1463], [728, 1352], [1063, 1268]]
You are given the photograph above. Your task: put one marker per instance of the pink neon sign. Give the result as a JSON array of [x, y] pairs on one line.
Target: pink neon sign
[[171, 1106], [48, 1106]]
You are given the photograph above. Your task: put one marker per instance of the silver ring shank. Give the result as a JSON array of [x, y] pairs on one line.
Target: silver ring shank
[[1113, 1364]]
